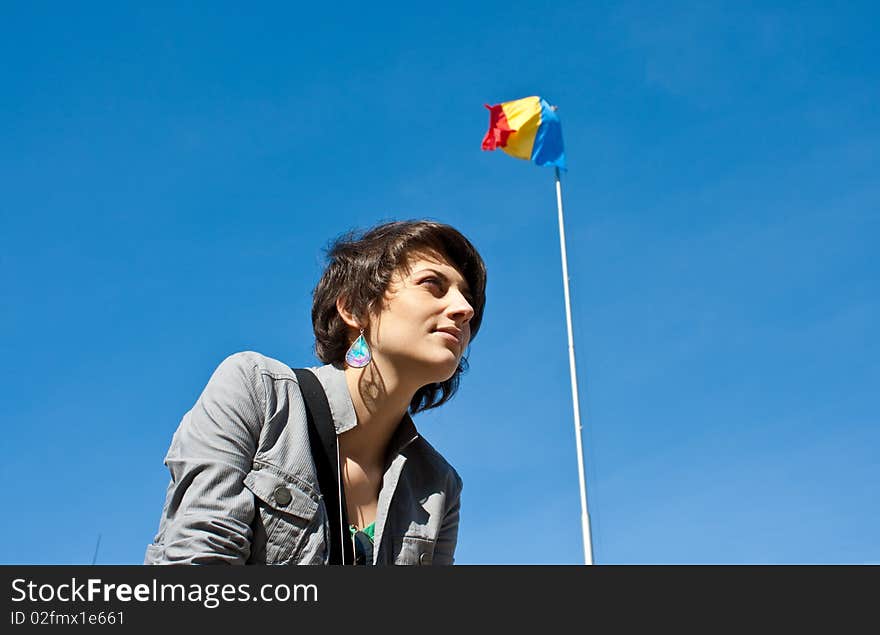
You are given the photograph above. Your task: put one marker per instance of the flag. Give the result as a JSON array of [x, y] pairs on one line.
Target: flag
[[528, 129]]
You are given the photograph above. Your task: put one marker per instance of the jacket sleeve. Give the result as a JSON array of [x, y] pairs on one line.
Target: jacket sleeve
[[444, 549], [208, 511]]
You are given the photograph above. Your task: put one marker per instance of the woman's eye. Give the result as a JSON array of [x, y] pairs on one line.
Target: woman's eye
[[433, 281]]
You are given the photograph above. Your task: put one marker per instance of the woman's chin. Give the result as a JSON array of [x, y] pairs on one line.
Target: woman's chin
[[434, 368], [446, 369]]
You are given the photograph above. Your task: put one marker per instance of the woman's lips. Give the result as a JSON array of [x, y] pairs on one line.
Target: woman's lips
[[448, 337]]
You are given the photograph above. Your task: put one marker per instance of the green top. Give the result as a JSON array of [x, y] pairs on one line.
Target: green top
[[369, 530]]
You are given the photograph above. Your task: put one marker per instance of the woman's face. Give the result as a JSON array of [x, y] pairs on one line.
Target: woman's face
[[424, 326]]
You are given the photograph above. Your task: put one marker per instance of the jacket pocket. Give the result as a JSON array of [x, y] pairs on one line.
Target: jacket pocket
[[285, 515], [155, 554], [414, 550]]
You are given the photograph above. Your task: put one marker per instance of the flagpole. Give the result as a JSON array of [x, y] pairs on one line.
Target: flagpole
[[585, 516]]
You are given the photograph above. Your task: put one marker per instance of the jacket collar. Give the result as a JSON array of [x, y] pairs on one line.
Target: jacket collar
[[405, 434], [332, 379]]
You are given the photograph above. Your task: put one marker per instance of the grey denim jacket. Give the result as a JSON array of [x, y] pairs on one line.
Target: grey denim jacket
[[244, 489]]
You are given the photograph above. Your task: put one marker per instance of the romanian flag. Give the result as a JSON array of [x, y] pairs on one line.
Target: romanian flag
[[528, 129]]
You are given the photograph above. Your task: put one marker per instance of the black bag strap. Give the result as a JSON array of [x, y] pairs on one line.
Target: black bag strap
[[322, 439]]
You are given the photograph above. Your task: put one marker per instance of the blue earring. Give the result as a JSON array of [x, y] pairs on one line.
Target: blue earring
[[358, 354]]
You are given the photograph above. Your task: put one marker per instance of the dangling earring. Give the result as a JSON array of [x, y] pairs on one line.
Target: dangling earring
[[358, 354]]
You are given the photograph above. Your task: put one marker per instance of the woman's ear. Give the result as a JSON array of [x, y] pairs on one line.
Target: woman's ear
[[346, 315]]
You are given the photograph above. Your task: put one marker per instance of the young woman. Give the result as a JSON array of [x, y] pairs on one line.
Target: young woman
[[393, 315]]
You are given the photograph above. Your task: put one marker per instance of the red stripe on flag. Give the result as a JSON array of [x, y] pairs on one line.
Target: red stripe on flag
[[499, 129]]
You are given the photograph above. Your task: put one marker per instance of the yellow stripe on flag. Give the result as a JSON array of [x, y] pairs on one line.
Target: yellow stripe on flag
[[524, 116]]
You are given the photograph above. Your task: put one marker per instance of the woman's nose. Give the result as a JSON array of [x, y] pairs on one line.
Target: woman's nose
[[460, 307]]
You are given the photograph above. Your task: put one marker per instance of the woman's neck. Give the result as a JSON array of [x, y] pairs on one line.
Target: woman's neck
[[380, 400]]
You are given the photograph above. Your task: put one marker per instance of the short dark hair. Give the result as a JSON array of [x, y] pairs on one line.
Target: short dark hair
[[359, 269]]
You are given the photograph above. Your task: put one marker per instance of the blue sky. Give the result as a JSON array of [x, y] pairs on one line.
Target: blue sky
[[170, 176]]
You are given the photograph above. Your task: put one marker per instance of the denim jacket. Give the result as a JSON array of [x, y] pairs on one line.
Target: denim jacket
[[244, 489]]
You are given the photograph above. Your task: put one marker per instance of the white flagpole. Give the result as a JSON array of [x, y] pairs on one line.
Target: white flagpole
[[585, 516]]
